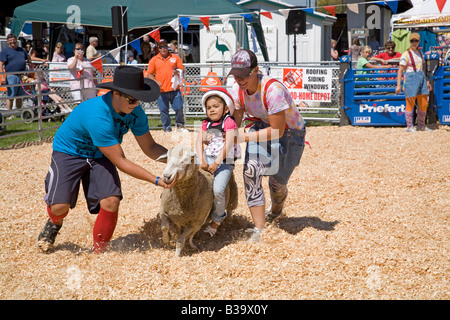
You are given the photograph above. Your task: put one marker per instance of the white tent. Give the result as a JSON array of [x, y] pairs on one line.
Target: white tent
[[425, 14]]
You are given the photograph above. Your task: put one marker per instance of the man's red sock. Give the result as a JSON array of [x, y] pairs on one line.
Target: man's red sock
[[56, 219], [103, 229]]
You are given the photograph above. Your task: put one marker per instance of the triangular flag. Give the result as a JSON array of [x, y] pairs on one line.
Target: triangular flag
[[136, 44], [116, 54], [284, 12], [381, 3], [155, 35], [331, 9], [225, 20], [353, 7], [185, 22], [441, 4], [309, 10], [393, 5], [205, 21], [267, 14], [98, 64], [247, 16], [174, 24]]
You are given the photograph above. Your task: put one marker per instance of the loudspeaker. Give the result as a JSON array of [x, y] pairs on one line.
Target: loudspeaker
[[119, 21], [296, 22]]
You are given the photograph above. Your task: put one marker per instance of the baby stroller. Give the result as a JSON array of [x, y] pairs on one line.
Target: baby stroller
[[48, 110]]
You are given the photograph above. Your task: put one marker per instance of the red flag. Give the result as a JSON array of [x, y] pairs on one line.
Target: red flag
[[155, 35], [266, 14], [98, 64], [441, 4], [331, 9], [205, 21]]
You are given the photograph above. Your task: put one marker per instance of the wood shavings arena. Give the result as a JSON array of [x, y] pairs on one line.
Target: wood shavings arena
[[367, 217]]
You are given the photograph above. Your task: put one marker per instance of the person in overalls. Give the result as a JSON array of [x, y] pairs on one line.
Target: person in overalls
[[416, 85], [275, 141]]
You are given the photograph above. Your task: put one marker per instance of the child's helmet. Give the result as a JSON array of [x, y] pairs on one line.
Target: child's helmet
[[221, 92]]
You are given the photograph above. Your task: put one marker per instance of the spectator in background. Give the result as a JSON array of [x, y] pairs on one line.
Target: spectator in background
[[173, 46], [130, 59], [388, 56], [58, 55], [364, 61], [13, 58], [81, 68], [356, 49], [29, 47], [417, 87], [163, 68], [374, 44], [146, 50], [334, 52], [91, 51]]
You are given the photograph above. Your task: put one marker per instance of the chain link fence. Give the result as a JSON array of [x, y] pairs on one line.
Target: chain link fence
[[38, 106]]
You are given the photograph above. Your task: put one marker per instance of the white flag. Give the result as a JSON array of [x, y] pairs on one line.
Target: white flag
[[116, 54], [175, 24], [225, 20], [284, 12], [353, 7]]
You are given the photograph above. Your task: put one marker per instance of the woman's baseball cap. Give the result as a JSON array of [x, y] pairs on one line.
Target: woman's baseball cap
[[242, 63], [414, 36], [221, 92], [130, 81]]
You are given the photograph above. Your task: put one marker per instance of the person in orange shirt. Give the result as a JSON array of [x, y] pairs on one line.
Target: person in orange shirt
[[164, 68]]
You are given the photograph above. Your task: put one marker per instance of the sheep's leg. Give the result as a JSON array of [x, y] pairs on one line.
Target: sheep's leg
[[188, 233], [195, 230], [164, 227]]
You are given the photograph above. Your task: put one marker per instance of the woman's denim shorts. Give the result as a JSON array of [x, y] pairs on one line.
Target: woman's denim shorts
[[415, 84]]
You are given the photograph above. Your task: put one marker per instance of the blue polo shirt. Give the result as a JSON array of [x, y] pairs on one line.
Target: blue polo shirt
[[94, 123], [14, 59]]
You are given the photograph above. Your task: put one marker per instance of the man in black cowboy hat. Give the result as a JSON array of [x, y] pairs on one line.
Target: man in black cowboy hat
[[86, 149]]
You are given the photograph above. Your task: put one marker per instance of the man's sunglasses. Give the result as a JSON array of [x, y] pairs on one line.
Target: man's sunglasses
[[163, 47], [129, 99]]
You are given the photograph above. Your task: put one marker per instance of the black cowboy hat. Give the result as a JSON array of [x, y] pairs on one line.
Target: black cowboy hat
[[130, 81]]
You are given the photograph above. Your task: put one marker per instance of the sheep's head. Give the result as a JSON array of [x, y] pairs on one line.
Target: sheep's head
[[181, 160]]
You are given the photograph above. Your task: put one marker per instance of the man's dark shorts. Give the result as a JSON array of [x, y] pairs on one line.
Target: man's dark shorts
[[99, 177]]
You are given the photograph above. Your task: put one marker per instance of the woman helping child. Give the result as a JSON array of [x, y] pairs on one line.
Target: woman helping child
[[218, 156]]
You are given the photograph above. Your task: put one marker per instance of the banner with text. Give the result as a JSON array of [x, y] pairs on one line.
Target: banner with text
[[309, 84]]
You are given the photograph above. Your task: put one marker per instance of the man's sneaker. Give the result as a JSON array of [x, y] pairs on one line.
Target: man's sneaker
[[256, 234], [168, 130], [48, 235], [271, 217], [182, 129]]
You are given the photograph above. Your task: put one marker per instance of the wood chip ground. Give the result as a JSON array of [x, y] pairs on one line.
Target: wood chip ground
[[367, 217]]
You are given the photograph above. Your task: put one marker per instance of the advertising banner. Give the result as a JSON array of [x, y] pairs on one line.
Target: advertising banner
[[309, 84], [55, 74]]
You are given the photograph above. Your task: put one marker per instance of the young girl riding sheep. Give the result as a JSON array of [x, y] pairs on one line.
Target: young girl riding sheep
[[218, 134]]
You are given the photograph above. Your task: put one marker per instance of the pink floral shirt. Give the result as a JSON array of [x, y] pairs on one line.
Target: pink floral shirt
[[278, 99]]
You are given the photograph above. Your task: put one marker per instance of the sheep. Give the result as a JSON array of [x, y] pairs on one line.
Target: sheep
[[189, 203]]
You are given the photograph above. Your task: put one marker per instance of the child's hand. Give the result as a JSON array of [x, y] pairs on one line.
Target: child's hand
[[213, 167], [204, 166]]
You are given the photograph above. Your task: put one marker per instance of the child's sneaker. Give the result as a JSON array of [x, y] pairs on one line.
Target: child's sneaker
[[48, 235], [256, 234]]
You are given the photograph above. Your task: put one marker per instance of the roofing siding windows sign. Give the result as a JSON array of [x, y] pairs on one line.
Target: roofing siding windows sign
[[308, 84]]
